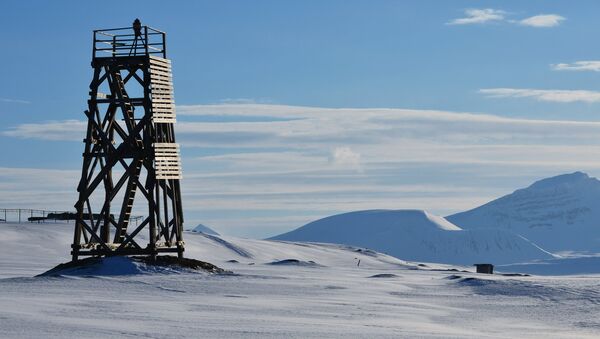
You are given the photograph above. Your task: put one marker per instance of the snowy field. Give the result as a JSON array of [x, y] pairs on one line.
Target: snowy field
[[320, 294]]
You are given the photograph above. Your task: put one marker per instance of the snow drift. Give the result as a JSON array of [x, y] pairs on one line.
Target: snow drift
[[418, 236], [559, 213]]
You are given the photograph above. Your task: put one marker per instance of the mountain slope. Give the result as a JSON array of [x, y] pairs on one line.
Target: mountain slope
[[205, 229], [559, 213], [418, 236]]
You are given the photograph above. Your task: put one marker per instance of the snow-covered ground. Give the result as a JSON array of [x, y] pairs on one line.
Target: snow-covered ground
[[322, 293]]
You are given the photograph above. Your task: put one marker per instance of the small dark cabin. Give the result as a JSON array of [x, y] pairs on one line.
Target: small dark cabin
[[485, 268]]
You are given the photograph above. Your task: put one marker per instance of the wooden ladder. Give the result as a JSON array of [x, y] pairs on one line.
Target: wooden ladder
[[128, 200], [136, 166]]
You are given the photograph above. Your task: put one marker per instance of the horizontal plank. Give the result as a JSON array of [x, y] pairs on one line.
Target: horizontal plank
[[155, 59], [159, 115], [168, 170], [162, 101], [161, 82], [165, 144], [161, 77], [164, 77], [156, 77], [158, 88], [163, 116], [163, 108], [164, 95], [161, 67], [160, 71], [161, 87], [167, 104]]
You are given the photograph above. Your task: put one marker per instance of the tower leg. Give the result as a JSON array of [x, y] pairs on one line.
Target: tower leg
[[76, 241]]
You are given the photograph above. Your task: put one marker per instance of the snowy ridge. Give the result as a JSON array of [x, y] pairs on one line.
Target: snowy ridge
[[204, 229], [416, 235], [559, 213], [51, 245]]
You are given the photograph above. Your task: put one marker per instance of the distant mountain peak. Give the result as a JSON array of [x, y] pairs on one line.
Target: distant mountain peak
[[569, 179], [559, 213], [205, 229], [417, 235]]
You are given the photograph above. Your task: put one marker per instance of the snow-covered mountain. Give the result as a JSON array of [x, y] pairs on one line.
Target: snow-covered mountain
[[418, 236], [204, 229], [559, 213]]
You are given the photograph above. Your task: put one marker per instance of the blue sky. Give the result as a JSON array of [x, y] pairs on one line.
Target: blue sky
[[293, 110]]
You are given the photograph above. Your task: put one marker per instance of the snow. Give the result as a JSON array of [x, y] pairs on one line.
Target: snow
[[558, 214], [384, 297], [419, 236], [205, 229], [561, 266]]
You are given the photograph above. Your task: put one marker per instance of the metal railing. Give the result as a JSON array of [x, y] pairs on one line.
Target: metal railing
[[119, 42], [28, 215]]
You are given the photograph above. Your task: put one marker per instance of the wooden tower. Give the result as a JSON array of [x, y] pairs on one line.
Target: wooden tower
[[130, 158]]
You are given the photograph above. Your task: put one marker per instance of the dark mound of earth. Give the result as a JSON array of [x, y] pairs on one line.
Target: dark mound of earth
[[294, 262], [384, 275], [123, 265]]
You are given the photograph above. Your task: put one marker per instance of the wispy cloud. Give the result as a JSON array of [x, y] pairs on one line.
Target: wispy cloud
[[490, 15], [246, 101], [543, 20], [590, 65], [68, 130], [346, 157], [479, 16], [550, 95], [38, 188], [248, 177], [14, 101]]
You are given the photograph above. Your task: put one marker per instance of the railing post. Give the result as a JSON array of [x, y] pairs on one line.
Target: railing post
[[164, 43], [94, 47], [19, 215], [146, 39]]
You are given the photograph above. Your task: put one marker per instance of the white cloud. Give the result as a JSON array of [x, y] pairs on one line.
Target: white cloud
[[550, 95], [14, 101], [345, 156], [487, 15], [479, 16], [279, 174], [542, 20], [246, 101], [37, 188], [67, 130], [578, 66]]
